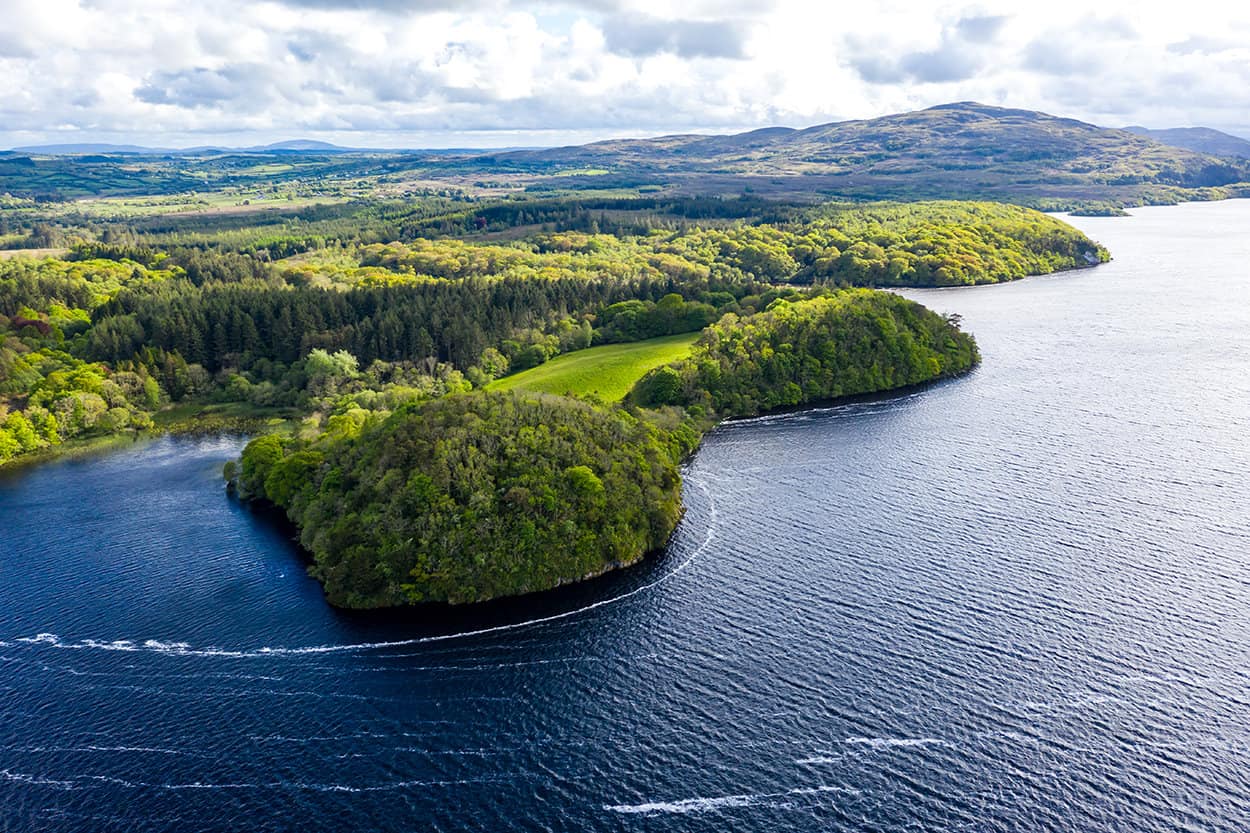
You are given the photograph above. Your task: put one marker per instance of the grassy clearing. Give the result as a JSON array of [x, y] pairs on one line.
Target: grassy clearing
[[6, 254], [201, 418], [583, 172], [192, 204], [606, 372]]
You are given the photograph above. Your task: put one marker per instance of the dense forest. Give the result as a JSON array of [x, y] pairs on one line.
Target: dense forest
[[847, 343], [471, 497], [50, 389], [110, 335], [887, 244]]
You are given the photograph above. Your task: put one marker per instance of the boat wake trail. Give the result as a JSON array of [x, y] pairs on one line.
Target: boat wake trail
[[724, 802], [52, 640]]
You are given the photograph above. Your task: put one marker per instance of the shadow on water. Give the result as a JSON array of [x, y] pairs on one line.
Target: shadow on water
[[837, 403], [436, 619]]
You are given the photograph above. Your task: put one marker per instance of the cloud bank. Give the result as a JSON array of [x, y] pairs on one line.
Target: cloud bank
[[503, 72]]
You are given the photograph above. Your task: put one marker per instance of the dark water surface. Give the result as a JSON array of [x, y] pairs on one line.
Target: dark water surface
[[1017, 601]]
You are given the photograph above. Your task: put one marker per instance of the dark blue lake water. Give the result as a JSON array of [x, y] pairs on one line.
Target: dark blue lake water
[[1016, 601]]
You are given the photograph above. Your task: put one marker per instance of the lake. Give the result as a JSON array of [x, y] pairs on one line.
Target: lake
[[1013, 601]]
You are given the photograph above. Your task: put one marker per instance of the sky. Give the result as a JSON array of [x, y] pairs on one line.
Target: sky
[[505, 73]]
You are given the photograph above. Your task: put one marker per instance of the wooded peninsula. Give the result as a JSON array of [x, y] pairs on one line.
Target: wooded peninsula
[[459, 402]]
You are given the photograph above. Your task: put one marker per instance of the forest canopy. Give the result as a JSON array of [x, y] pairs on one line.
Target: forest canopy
[[472, 497], [851, 342]]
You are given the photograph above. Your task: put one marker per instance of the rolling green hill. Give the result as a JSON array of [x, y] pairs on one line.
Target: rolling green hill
[[607, 372]]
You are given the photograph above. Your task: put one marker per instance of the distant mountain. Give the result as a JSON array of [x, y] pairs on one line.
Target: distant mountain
[[310, 146], [291, 146], [961, 149], [87, 148], [303, 144], [1200, 139]]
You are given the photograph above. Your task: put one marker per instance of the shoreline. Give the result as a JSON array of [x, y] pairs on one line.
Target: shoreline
[[74, 449], [214, 419], [431, 610]]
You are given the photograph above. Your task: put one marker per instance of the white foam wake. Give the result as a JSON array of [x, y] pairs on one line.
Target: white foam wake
[[297, 786], [37, 780], [895, 743], [891, 743], [84, 781], [155, 750], [703, 805], [185, 649]]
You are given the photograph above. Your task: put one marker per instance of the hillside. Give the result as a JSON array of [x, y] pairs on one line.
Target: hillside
[[956, 150], [1198, 139], [963, 150]]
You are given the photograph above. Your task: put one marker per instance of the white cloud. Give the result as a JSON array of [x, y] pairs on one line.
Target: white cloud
[[436, 72]]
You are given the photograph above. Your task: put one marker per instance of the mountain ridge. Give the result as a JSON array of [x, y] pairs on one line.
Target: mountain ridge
[[964, 149], [1200, 139], [961, 150]]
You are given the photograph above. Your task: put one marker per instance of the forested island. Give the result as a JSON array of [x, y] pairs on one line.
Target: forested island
[[456, 400]]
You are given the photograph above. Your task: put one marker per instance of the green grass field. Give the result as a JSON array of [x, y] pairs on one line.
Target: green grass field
[[608, 372], [5, 254]]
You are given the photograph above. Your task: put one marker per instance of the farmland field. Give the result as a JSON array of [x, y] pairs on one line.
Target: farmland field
[[607, 372]]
